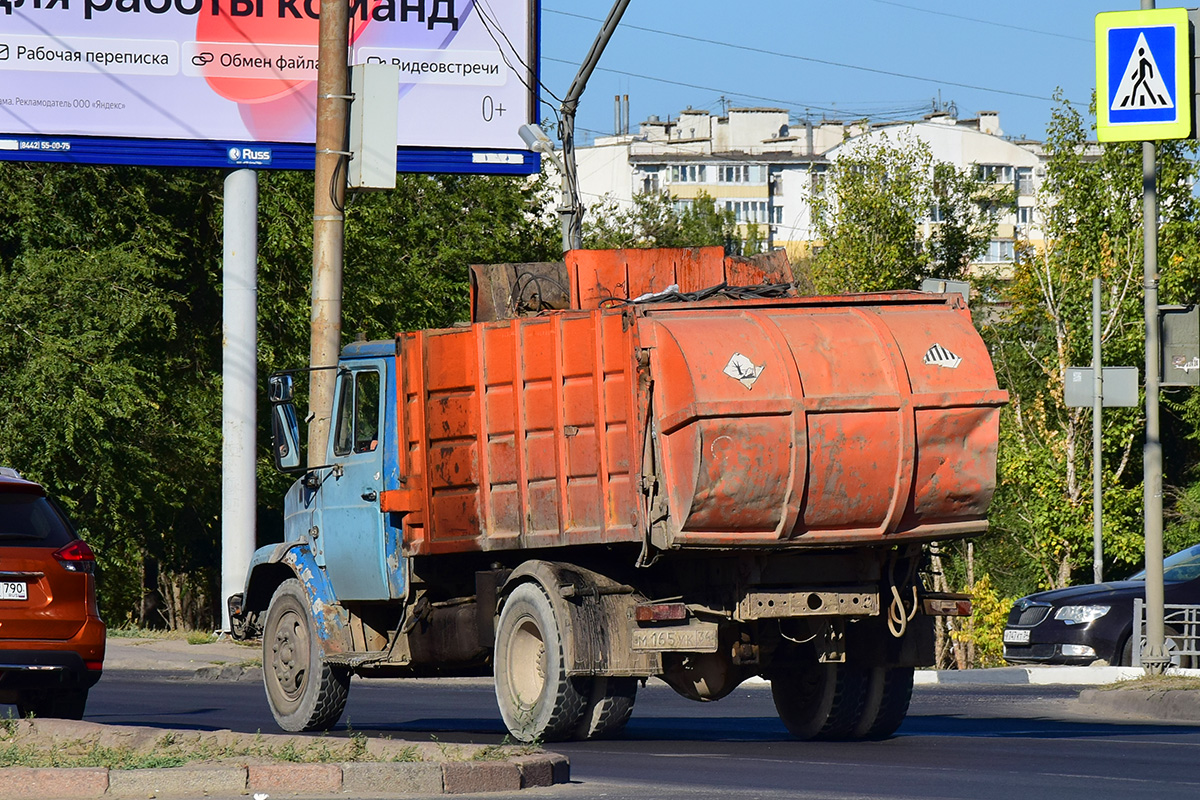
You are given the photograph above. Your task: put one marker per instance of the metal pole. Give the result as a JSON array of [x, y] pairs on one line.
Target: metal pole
[[1154, 657], [239, 390], [1097, 453], [573, 216], [333, 101]]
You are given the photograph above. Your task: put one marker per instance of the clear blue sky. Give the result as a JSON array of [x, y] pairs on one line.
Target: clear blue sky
[[830, 58]]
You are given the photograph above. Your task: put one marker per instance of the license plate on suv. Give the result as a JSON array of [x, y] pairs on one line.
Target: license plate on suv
[[1016, 636], [13, 590]]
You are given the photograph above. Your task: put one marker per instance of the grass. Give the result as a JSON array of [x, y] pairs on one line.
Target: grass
[[1156, 683], [169, 751], [191, 637]]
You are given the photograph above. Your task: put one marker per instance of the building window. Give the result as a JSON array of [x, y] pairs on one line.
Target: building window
[[1025, 180], [688, 173], [742, 173], [996, 173], [681, 205], [750, 212], [650, 182], [1024, 215], [776, 215], [1000, 251], [935, 213]]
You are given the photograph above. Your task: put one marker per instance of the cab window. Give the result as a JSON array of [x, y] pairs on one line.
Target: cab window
[[358, 413]]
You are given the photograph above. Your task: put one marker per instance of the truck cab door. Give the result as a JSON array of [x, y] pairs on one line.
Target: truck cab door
[[354, 532]]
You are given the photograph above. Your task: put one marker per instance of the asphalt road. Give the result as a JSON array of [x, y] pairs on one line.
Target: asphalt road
[[977, 742]]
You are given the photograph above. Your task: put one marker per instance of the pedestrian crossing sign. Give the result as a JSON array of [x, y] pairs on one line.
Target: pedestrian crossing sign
[[1143, 75]]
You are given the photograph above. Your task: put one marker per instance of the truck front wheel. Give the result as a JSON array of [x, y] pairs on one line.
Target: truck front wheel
[[538, 700], [305, 693]]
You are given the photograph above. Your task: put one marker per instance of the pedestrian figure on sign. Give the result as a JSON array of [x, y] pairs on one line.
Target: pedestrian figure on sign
[[1141, 83]]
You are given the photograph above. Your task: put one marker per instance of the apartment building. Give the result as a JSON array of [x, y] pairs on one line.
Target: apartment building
[[764, 167]]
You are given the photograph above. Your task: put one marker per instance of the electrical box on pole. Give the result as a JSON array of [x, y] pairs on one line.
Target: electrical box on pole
[[1180, 333], [373, 126]]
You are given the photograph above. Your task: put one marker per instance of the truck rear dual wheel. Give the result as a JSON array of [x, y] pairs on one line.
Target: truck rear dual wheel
[[885, 704], [819, 701], [304, 692]]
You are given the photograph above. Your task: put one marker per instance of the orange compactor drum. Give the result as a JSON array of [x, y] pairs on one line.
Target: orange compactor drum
[[719, 423]]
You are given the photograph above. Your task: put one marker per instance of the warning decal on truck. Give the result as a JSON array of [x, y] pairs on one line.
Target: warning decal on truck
[[939, 356], [743, 370]]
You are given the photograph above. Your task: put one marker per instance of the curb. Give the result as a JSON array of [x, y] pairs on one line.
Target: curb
[[358, 778], [1178, 705], [1020, 676]]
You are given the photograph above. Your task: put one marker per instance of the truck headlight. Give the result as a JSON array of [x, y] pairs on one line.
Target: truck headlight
[[1080, 615]]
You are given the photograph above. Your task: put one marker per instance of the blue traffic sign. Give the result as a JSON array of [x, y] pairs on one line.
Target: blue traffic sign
[[1142, 77]]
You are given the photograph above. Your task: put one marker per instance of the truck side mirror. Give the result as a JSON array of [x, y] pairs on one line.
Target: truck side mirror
[[285, 437], [279, 389]]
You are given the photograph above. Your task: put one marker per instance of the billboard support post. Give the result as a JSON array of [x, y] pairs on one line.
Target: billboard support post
[[239, 389], [329, 197]]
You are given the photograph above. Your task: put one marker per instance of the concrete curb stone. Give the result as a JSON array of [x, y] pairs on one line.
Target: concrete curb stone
[[28, 783], [313, 780], [176, 781], [1180, 705], [294, 778]]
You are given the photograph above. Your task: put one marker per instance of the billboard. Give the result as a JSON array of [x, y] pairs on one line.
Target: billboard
[[233, 82]]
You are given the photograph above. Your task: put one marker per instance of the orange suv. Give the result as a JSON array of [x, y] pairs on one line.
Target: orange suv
[[51, 635]]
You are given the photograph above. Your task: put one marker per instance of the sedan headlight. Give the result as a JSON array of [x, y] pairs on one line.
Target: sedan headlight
[[1080, 615]]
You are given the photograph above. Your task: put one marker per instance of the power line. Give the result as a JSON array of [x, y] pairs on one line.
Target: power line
[[1020, 28], [794, 57]]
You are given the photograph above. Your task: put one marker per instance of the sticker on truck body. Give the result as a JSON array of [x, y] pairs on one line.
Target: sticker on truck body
[[938, 356], [743, 370]]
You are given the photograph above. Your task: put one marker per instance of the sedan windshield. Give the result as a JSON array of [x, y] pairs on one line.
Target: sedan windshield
[[1182, 566]]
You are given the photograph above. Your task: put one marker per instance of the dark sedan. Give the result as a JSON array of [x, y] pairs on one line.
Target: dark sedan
[[1094, 623]]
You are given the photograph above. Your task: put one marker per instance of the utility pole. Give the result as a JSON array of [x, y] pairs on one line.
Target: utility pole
[[333, 101], [573, 216], [1154, 657]]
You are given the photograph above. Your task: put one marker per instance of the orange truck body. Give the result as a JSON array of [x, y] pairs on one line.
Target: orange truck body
[[793, 422]]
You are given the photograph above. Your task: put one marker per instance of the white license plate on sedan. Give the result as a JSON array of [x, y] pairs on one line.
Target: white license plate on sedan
[[1015, 636], [13, 590]]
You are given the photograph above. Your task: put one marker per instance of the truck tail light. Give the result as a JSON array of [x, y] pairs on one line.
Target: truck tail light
[[77, 557], [946, 605], [659, 612]]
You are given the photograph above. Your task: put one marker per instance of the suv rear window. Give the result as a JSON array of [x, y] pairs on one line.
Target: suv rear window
[[28, 520]]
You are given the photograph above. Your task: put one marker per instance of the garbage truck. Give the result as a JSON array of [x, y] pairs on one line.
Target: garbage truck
[[633, 464]]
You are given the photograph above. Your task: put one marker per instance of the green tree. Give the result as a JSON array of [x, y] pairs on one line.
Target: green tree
[[871, 212], [110, 355], [654, 220], [1091, 206]]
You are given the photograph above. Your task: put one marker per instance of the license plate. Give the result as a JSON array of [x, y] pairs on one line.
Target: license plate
[[13, 590], [694, 638], [1014, 636]]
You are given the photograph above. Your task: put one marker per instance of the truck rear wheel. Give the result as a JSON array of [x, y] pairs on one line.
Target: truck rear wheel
[[305, 693], [888, 693], [608, 709], [819, 701], [538, 700]]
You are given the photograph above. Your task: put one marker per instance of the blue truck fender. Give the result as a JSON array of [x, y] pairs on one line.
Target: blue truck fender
[[274, 564]]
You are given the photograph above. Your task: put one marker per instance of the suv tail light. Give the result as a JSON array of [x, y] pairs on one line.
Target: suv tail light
[[77, 557]]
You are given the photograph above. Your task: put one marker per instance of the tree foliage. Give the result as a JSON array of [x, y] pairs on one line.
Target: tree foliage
[[654, 220], [870, 215], [110, 355], [1092, 207]]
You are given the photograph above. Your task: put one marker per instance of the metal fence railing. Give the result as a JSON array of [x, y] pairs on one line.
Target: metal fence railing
[[1183, 633]]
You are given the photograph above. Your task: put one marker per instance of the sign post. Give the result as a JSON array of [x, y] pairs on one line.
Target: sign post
[[1144, 93]]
